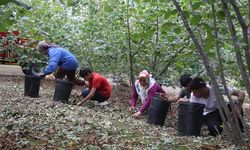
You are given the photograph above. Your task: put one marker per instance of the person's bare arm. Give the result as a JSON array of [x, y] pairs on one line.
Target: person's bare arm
[[88, 97], [240, 95]]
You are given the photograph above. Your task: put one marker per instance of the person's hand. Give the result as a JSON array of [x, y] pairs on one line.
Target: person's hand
[[51, 77], [137, 114], [163, 94], [80, 103], [41, 75], [173, 99], [131, 108]]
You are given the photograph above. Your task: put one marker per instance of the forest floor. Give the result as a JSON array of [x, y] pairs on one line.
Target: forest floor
[[39, 123]]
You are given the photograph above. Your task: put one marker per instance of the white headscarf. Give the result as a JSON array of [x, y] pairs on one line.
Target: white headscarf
[[141, 90]]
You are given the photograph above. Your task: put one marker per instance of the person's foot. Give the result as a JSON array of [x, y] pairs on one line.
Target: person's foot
[[103, 103]]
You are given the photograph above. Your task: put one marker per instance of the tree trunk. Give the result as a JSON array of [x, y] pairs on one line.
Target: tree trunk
[[236, 46], [130, 54], [156, 51], [221, 68], [234, 137], [156, 45], [244, 33], [21, 4], [248, 20]]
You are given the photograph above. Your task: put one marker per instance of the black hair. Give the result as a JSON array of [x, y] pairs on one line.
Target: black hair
[[84, 72], [197, 83], [185, 79]]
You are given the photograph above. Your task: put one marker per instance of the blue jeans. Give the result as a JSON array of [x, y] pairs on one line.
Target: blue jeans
[[97, 96]]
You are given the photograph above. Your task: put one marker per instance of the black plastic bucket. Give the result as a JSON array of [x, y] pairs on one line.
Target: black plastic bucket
[[31, 85], [158, 111], [62, 90], [190, 118]]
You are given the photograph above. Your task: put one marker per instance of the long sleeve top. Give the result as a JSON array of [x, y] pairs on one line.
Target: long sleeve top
[[156, 88], [60, 57]]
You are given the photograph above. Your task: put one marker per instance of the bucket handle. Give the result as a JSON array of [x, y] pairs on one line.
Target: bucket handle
[[190, 112]]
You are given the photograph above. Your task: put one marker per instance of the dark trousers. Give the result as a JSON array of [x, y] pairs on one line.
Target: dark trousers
[[97, 96], [61, 73], [214, 122]]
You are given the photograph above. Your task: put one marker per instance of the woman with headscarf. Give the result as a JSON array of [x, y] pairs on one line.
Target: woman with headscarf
[[60, 60], [145, 87]]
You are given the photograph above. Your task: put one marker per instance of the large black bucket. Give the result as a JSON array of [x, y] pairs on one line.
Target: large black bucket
[[158, 111], [31, 85], [62, 90], [190, 118]]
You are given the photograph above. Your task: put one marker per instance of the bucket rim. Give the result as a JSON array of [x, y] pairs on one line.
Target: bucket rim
[[32, 76], [159, 98], [190, 103], [199, 107]]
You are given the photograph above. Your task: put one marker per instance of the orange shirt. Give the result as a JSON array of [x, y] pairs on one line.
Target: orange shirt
[[101, 84]]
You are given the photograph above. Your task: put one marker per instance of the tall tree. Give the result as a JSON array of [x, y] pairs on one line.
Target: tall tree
[[233, 135], [236, 46], [244, 29], [130, 53]]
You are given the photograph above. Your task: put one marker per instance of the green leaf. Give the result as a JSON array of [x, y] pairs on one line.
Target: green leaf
[[71, 2], [197, 5], [179, 63], [4, 2], [168, 25], [220, 14], [108, 8], [2, 28], [195, 19], [209, 46], [230, 62], [182, 148], [177, 30], [169, 13], [186, 14]]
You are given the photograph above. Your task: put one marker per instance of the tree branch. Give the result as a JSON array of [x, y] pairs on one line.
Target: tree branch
[[21, 4]]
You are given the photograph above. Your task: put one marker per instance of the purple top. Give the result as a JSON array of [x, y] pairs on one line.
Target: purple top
[[151, 93]]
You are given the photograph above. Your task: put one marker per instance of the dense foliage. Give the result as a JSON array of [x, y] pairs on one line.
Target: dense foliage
[[105, 34], [122, 37]]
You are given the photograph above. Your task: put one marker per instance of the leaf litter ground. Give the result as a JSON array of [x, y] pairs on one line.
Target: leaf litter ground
[[39, 123]]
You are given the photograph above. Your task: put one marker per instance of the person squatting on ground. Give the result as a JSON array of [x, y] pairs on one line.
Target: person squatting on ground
[[99, 88], [60, 60], [204, 94], [145, 87]]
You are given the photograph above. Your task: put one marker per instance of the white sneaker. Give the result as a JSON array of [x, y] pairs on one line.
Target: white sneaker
[[103, 103]]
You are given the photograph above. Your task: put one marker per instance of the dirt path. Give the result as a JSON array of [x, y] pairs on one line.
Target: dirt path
[[11, 70]]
